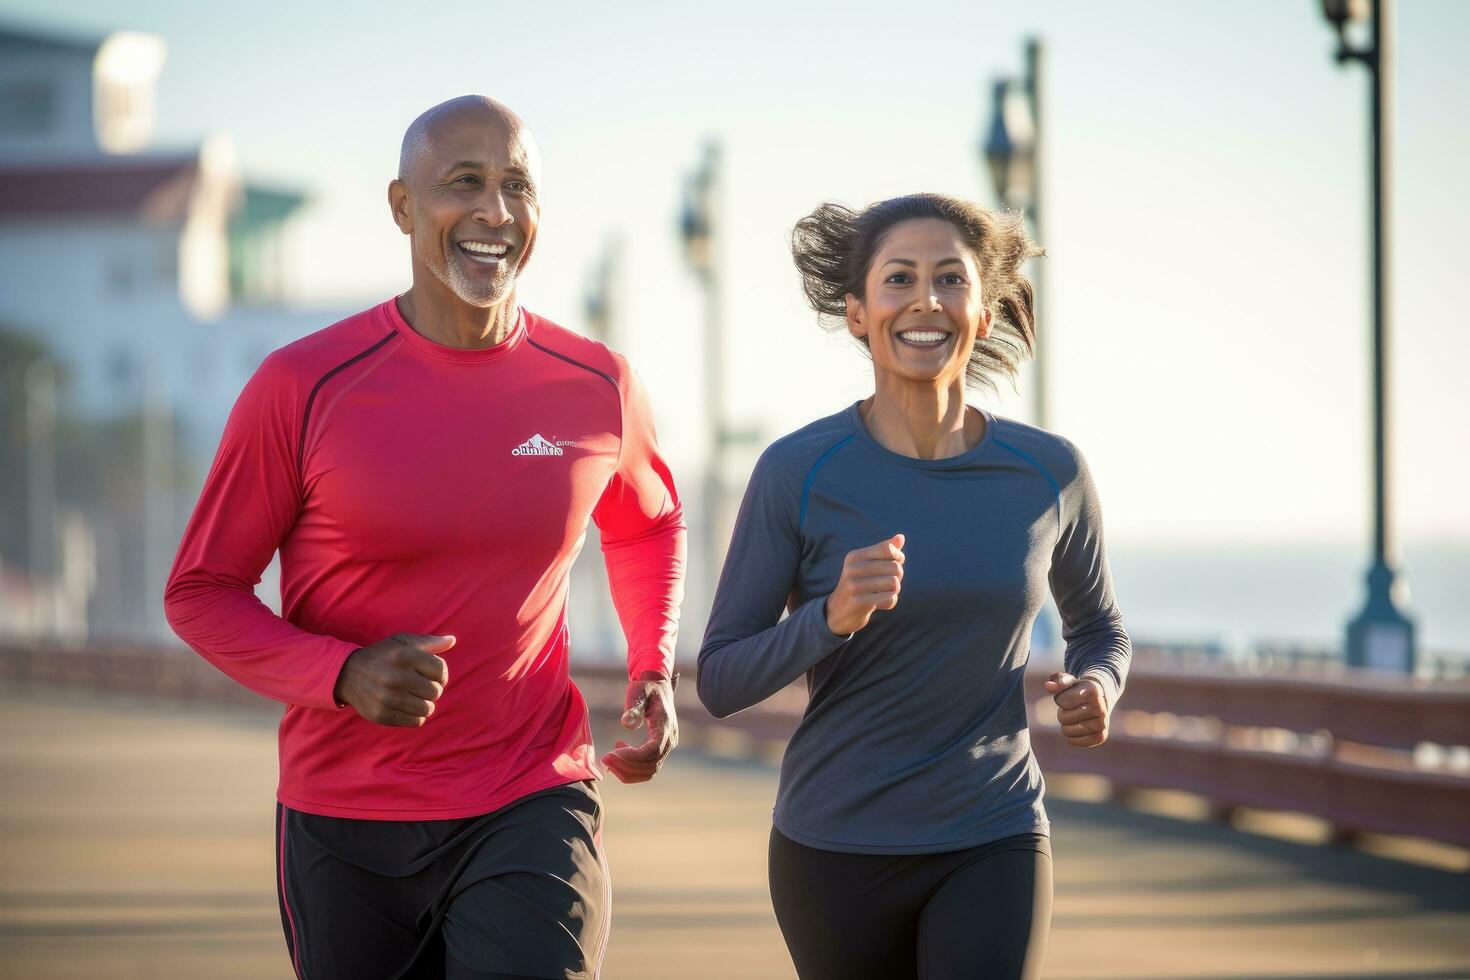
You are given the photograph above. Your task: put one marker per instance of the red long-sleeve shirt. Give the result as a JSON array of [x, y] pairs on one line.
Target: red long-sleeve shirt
[[417, 488]]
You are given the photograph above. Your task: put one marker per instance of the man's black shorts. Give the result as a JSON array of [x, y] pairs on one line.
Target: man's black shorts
[[521, 892]]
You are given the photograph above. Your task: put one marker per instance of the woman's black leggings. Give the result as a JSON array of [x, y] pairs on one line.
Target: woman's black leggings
[[983, 912]]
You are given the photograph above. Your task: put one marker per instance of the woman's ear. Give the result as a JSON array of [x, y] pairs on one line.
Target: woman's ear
[[985, 319], [856, 317]]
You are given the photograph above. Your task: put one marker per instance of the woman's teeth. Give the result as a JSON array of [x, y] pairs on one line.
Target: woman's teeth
[[923, 338]]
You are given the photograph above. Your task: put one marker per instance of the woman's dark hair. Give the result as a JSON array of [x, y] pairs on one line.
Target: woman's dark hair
[[834, 245]]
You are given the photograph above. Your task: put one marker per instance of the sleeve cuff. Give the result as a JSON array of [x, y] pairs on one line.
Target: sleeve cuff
[[658, 664], [812, 617], [324, 696]]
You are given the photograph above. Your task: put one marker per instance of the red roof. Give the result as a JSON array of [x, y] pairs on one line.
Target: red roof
[[148, 187]]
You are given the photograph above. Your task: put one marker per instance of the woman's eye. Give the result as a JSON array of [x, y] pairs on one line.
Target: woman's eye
[[898, 278], [952, 279]]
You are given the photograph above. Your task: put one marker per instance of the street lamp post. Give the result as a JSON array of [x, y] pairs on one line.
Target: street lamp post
[[1381, 636], [597, 301], [160, 537], [39, 382], [698, 228], [600, 310], [1012, 150]]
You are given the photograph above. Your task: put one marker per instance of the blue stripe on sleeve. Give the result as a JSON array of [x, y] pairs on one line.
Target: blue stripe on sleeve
[[1056, 487], [806, 488]]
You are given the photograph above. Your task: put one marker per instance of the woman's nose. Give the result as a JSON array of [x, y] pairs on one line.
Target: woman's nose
[[926, 302]]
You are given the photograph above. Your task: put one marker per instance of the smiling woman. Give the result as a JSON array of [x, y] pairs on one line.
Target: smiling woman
[[834, 248], [910, 837]]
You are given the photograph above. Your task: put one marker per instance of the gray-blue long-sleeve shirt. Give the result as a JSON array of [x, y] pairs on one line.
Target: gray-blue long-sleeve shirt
[[914, 739]]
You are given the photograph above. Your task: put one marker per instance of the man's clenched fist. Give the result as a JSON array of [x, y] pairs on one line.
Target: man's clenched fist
[[1082, 709], [871, 578], [395, 681]]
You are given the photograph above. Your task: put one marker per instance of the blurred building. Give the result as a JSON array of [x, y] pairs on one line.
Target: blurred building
[[153, 283]]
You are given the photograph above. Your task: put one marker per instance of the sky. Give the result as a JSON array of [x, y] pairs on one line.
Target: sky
[[1206, 314]]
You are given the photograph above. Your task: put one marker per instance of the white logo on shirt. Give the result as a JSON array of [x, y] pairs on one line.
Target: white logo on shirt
[[539, 445]]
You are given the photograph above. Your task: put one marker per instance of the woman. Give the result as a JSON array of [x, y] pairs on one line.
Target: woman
[[912, 538]]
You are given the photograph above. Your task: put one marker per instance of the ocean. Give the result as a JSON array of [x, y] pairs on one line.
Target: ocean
[[1241, 596]]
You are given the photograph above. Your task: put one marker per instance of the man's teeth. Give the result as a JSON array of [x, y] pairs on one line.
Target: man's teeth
[[480, 248], [922, 336]]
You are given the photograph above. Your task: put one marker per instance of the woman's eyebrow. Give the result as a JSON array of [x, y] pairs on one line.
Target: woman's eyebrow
[[952, 260]]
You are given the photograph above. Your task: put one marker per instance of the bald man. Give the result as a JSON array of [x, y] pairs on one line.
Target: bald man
[[427, 470]]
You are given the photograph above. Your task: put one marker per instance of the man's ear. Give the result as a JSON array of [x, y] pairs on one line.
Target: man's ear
[[856, 317], [398, 205]]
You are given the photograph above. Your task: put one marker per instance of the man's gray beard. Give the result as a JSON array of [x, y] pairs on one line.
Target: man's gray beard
[[466, 289]]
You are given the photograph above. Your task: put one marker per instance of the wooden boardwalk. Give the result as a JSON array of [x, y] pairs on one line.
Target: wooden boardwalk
[[135, 841]]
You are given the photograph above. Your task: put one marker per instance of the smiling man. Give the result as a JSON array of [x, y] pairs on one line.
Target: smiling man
[[427, 470]]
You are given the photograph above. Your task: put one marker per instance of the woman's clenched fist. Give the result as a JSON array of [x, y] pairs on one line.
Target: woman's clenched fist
[[871, 579]]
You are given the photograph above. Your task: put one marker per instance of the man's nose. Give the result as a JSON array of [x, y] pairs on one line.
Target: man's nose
[[491, 209]]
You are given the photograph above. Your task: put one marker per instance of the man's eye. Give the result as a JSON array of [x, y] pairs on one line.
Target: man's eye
[[468, 178]]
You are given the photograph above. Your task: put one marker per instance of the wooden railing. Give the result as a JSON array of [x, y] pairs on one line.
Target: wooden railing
[[1365, 752], [1362, 751], [152, 672]]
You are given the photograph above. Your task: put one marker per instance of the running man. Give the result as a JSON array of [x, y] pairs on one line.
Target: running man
[[427, 469]]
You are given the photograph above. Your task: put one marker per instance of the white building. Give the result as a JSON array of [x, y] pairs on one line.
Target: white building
[[155, 280]]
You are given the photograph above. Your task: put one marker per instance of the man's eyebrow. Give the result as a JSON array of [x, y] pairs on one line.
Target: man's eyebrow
[[465, 165], [515, 168]]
